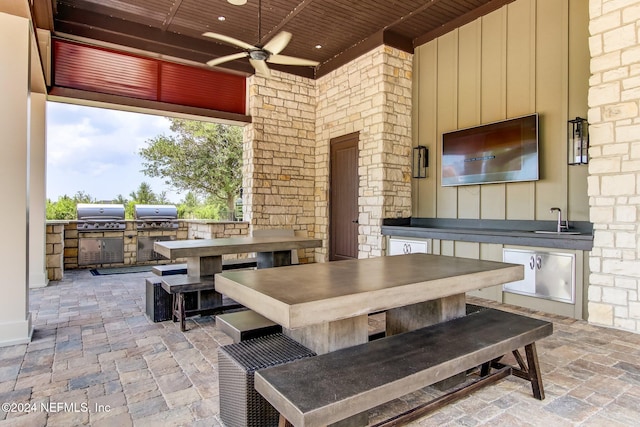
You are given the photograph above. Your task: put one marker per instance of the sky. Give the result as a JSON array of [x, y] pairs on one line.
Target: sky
[[94, 150]]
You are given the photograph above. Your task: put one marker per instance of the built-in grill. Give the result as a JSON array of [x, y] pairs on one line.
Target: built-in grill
[[100, 217], [154, 217], [150, 217], [106, 243]]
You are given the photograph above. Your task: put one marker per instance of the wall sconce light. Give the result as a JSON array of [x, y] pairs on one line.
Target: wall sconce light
[[578, 141], [420, 161]]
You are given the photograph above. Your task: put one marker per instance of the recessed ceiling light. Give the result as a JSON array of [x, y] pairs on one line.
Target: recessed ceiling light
[[318, 46], [221, 18], [237, 2]]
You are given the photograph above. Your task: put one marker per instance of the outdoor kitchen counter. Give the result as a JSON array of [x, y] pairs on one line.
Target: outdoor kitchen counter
[[507, 232]]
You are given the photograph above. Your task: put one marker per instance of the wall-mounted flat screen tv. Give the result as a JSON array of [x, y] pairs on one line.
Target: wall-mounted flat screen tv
[[504, 151]]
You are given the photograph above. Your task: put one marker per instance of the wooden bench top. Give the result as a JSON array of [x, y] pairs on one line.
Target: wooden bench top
[[180, 283], [333, 386]]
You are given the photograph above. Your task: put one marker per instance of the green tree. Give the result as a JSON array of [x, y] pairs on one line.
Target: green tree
[[120, 200], [82, 197], [65, 206], [204, 158], [144, 195], [188, 205]]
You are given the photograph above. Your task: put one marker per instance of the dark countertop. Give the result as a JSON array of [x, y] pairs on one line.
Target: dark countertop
[[508, 232]]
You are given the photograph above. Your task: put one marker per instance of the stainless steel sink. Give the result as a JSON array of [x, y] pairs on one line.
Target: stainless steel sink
[[556, 232]]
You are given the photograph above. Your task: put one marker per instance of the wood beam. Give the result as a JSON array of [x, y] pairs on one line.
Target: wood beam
[[142, 105]]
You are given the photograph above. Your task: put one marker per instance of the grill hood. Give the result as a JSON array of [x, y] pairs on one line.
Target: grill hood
[[100, 212], [155, 212]]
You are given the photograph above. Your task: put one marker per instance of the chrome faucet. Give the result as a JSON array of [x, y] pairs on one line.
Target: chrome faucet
[[561, 226]]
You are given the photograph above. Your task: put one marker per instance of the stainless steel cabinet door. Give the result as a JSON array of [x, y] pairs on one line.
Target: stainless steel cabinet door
[[526, 286], [549, 275], [555, 276], [400, 247]]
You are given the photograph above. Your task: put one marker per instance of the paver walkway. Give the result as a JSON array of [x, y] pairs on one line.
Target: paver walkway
[[96, 359]]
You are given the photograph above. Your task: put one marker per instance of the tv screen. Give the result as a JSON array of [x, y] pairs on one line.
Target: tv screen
[[504, 151]]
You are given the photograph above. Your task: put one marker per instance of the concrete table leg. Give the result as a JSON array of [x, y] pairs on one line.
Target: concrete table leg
[[331, 336], [204, 266], [273, 259], [411, 317], [415, 316]]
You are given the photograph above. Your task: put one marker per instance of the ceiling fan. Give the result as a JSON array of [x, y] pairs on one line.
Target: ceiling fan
[[258, 55]]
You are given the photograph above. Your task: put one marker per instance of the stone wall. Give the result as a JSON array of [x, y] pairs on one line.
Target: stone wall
[[370, 95], [202, 229], [55, 250], [214, 229], [62, 248], [614, 169], [279, 160]]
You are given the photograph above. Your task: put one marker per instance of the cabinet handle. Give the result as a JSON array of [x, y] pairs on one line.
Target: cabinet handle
[[539, 262], [532, 263]]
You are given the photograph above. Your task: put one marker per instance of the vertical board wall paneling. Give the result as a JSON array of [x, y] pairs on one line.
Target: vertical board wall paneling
[[579, 59], [491, 252], [447, 96], [494, 100], [551, 80], [415, 134], [469, 95], [447, 248], [521, 31], [528, 62], [426, 128]]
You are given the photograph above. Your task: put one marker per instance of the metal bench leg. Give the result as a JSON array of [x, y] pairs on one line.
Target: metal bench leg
[[283, 422], [181, 311], [534, 371]]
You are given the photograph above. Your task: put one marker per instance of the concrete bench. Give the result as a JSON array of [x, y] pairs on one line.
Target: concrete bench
[[246, 324], [227, 264], [342, 384]]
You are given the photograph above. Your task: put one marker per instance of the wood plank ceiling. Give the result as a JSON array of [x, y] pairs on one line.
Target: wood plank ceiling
[[172, 29]]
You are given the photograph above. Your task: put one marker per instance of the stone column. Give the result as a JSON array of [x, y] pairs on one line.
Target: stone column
[[614, 166], [370, 95], [279, 163], [15, 319]]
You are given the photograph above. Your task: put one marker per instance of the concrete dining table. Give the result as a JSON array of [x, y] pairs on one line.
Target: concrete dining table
[[204, 256], [325, 306], [204, 260]]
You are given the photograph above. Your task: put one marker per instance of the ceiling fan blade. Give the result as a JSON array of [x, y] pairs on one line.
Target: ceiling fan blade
[[229, 40], [278, 43], [226, 58], [261, 68], [291, 60]]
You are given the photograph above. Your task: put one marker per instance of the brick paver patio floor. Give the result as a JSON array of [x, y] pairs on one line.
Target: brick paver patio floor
[[96, 359]]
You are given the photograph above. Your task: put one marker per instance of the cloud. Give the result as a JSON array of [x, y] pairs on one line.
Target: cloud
[[95, 150]]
